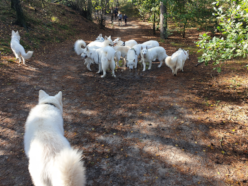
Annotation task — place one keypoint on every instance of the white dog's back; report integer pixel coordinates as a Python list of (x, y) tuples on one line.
[(151, 43), (52, 162)]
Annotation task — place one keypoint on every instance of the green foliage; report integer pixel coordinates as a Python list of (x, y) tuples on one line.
[(183, 13), (232, 18)]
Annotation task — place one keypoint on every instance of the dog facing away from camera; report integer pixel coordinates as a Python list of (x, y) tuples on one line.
[(104, 57), (177, 60), (52, 161), (18, 49), (82, 51), (149, 55)]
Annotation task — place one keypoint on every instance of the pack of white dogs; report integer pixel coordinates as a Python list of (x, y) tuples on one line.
[(52, 161), (106, 53)]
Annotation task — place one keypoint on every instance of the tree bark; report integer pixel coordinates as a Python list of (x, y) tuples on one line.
[(163, 22), (19, 14), (154, 23)]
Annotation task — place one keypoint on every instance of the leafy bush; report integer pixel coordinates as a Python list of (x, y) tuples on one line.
[(232, 18)]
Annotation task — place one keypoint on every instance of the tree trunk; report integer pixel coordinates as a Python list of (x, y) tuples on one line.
[(19, 14), (89, 10), (154, 23), (13, 4), (163, 22)]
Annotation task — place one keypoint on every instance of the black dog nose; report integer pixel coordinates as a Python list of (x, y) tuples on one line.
[(175, 75)]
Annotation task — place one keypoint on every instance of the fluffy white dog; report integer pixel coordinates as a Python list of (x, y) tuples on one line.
[(52, 161), (104, 57), (107, 60), (148, 55), (133, 54), (177, 60), (121, 51), (107, 42), (82, 51), (100, 38), (18, 49), (129, 43)]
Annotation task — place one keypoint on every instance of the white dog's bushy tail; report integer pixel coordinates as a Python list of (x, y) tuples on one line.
[(77, 46), (109, 52), (27, 55), (69, 168)]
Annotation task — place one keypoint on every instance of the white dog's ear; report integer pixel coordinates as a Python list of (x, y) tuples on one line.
[(106, 37), (109, 37), (42, 95), (59, 97)]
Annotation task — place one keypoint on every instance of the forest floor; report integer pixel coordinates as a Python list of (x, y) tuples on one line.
[(140, 128)]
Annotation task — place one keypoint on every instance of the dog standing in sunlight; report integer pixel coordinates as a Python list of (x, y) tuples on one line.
[(18, 49), (52, 161), (177, 60)]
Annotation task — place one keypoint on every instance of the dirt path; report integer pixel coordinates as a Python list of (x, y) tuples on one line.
[(141, 128)]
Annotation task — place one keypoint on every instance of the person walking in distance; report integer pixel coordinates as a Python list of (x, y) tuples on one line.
[(125, 19), (120, 18)]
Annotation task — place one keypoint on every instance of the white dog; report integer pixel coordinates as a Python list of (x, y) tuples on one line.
[(177, 60), (133, 54), (18, 49), (82, 51), (104, 57), (100, 38), (129, 43), (148, 55), (121, 51), (107, 42), (52, 161), (107, 60)]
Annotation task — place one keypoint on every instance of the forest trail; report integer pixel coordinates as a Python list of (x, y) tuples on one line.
[(140, 128)]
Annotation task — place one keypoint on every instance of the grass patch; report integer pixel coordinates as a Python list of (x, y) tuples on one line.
[(64, 27)]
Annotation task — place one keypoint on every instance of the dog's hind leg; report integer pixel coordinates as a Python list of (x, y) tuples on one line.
[(104, 73), (100, 68), (161, 62), (112, 67), (88, 67)]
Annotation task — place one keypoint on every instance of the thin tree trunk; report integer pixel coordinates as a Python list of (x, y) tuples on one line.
[(163, 22), (154, 23), (19, 14), (184, 27)]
